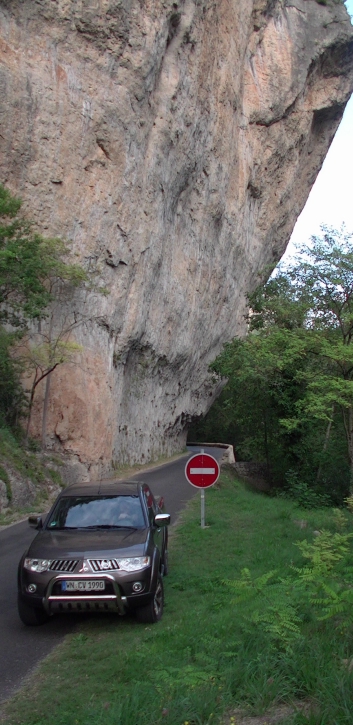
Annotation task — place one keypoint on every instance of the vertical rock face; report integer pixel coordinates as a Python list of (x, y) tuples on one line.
[(173, 144)]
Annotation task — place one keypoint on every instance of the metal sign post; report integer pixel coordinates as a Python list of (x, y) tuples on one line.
[(202, 508), (202, 471)]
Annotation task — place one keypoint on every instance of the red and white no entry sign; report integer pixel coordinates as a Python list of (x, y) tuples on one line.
[(202, 470)]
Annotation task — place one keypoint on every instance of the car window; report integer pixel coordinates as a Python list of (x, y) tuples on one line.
[(92, 511)]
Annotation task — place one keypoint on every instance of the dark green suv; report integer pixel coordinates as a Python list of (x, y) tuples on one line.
[(103, 547)]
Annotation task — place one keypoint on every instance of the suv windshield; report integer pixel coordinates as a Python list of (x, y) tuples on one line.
[(86, 512)]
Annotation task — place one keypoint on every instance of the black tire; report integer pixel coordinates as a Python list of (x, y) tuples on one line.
[(153, 611), (31, 616)]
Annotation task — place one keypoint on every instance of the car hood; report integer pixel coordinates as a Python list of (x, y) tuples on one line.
[(88, 544)]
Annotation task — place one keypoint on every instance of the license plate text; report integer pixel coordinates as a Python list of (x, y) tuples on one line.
[(83, 586)]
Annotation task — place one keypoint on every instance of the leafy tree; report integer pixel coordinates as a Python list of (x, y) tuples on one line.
[(262, 389), (12, 398), (35, 279), (41, 360), (30, 266), (290, 381), (324, 282)]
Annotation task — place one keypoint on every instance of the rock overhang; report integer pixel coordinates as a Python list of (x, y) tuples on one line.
[(173, 144)]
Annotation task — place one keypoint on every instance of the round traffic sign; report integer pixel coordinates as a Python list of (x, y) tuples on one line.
[(202, 470)]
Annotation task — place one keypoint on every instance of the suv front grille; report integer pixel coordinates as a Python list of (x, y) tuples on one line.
[(63, 565), (104, 564)]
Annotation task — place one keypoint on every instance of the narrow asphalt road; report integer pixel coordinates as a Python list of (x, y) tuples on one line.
[(22, 648)]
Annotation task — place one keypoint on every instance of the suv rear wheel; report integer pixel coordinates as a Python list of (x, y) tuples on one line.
[(152, 612)]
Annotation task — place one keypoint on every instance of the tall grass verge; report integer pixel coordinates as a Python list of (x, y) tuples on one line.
[(207, 657)]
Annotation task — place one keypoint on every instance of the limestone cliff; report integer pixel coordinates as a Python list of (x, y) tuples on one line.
[(174, 145)]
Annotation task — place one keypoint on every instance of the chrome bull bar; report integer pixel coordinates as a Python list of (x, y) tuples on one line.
[(84, 602)]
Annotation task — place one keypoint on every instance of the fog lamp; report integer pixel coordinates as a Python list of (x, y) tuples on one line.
[(137, 587), (32, 588)]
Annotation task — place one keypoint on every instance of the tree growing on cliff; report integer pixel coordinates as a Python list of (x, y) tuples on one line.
[(41, 358), (12, 397), (31, 266), (35, 279), (49, 344)]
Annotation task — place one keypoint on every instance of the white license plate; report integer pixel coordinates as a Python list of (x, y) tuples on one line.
[(83, 586)]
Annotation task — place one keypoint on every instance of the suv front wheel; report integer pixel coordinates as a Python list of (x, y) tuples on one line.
[(152, 612), (31, 616)]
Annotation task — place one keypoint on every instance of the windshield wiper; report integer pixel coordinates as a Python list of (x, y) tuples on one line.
[(92, 528), (108, 526)]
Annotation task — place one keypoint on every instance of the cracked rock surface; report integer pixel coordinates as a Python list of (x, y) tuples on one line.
[(173, 144)]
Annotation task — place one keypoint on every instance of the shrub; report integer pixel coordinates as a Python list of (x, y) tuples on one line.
[(303, 494)]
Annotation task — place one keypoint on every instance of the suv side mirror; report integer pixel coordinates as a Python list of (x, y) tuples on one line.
[(35, 522), (162, 520)]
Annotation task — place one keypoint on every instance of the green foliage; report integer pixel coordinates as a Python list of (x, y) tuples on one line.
[(34, 274), (269, 606), (9, 205), (288, 402), (12, 397), (29, 266), (55, 476), (320, 589), (5, 478), (24, 464), (327, 578), (304, 495)]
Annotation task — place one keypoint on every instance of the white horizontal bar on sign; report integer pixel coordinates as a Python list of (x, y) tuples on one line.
[(202, 470)]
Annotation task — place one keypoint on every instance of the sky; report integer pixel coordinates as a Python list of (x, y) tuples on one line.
[(331, 200)]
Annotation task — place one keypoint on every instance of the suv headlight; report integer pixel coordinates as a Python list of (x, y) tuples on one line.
[(37, 564), (134, 563)]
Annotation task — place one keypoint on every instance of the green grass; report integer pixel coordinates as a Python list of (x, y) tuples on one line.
[(5, 478), (204, 659), (26, 463)]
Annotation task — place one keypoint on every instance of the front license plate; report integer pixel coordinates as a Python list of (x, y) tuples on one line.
[(83, 586)]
